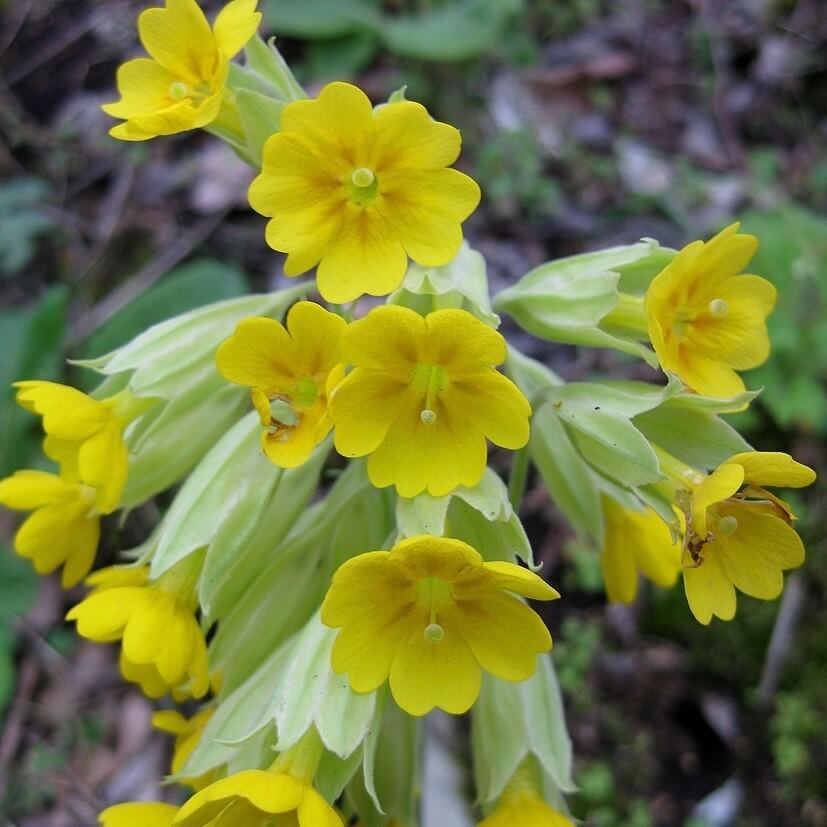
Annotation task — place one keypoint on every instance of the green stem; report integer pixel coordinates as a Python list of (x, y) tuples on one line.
[(628, 315)]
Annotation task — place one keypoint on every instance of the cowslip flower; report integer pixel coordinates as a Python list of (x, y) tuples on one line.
[(635, 543), (187, 732), (430, 615), (358, 191), (138, 814), (163, 646), (182, 84), (423, 397), (738, 534), (705, 321), (258, 798), (288, 370), (64, 527), (522, 804), (86, 433)]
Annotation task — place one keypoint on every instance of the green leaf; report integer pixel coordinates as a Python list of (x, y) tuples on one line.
[(598, 420), (266, 62), (455, 31), (30, 340), (22, 221), (189, 286), (321, 18)]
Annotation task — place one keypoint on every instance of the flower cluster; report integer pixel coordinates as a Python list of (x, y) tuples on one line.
[(316, 634)]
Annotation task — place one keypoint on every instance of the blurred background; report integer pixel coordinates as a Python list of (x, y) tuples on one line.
[(588, 123)]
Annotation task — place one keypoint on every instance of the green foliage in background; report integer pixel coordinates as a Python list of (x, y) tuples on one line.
[(793, 255), (23, 219), (346, 35)]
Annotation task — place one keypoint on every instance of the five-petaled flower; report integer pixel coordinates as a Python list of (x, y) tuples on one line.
[(258, 798), (705, 320), (431, 615), (738, 534), (423, 397), (636, 542), (358, 191), (288, 371), (182, 84), (163, 646)]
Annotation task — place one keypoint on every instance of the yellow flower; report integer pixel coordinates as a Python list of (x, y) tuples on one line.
[(181, 85), (423, 397), (521, 804), (705, 320), (85, 433), (431, 615), (358, 191), (287, 371), (258, 798), (63, 529), (739, 535), (636, 542), (187, 734), (138, 814), (163, 645)]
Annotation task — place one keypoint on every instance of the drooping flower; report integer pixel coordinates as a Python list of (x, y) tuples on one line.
[(85, 433), (430, 615), (739, 535), (705, 321), (635, 543), (63, 529), (258, 798), (163, 645), (182, 84), (187, 732), (358, 191), (423, 397), (522, 804), (138, 814), (288, 371)]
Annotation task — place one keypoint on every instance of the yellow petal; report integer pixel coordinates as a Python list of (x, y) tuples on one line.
[(144, 86), (724, 255), (236, 23), (103, 463), (436, 457), (314, 811), (292, 447), (761, 547), (504, 634), (425, 209), (620, 575), (336, 123), (406, 137), (46, 537), (363, 408), (116, 576), (179, 37), (709, 591), (67, 413), (103, 615), (718, 486), (511, 577), (706, 375), (426, 675), (426, 556), (494, 405), (145, 675), (389, 339), (266, 791), (144, 813), (85, 536), (773, 468), (27, 490), (367, 257), (171, 721), (318, 336), (461, 344), (148, 627), (259, 354)]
